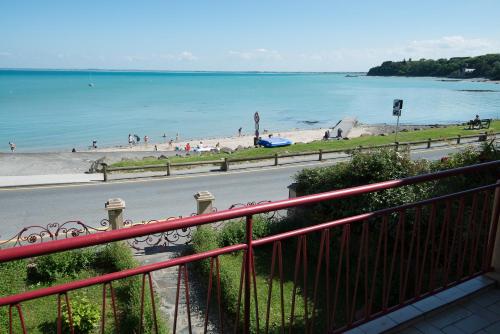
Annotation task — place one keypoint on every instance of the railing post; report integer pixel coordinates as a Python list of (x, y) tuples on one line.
[(205, 201), (115, 207), (320, 155), (105, 172), (276, 159), (397, 146), (458, 139), (248, 273), (429, 143), (168, 168), (225, 165), (495, 235)]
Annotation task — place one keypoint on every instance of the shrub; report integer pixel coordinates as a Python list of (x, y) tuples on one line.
[(235, 232), (84, 313), (48, 268)]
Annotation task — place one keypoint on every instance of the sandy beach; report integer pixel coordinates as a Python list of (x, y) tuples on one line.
[(246, 140)]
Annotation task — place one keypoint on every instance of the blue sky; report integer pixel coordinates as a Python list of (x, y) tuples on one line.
[(277, 35)]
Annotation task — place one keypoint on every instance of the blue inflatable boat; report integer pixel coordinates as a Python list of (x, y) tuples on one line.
[(274, 142)]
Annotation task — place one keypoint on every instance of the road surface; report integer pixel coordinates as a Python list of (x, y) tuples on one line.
[(151, 198)]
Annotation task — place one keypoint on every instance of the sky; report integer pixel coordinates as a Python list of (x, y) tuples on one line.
[(237, 35)]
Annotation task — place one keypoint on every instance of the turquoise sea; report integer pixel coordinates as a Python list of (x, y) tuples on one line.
[(59, 110)]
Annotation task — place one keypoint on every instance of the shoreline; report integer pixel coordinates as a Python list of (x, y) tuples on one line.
[(297, 135), (245, 140)]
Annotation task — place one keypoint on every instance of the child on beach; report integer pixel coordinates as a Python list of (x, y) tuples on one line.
[(188, 147), (12, 146), (239, 131)]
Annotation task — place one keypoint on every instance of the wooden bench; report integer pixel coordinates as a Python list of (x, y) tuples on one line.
[(479, 124), (485, 123)]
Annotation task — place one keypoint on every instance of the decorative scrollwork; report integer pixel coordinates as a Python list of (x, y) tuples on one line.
[(271, 216), (53, 231), (162, 239)]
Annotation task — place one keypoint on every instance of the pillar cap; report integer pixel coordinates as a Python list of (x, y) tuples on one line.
[(114, 204), (203, 196)]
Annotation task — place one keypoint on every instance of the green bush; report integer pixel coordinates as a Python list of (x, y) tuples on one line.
[(84, 313), (49, 268), (235, 232)]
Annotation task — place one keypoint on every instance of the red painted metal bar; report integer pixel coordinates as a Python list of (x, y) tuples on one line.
[(116, 275), (162, 226), (21, 318), (225, 250), (248, 275)]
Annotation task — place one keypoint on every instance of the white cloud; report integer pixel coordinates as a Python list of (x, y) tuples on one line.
[(364, 58), (186, 55), (452, 46), (182, 56), (257, 54)]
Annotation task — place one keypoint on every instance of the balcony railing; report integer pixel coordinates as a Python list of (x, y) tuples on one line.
[(345, 272)]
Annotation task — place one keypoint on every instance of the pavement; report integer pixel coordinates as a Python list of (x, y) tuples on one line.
[(50, 179)]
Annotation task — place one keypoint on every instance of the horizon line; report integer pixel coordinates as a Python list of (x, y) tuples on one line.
[(165, 71)]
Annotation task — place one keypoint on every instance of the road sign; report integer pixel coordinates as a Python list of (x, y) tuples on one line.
[(396, 107)]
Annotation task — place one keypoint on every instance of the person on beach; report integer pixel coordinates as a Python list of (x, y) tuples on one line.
[(94, 143), (170, 143), (130, 139), (339, 133), (12, 146), (239, 131), (146, 139), (137, 139), (188, 147), (156, 148), (164, 137)]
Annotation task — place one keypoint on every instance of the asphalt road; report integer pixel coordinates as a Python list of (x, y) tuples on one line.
[(151, 198)]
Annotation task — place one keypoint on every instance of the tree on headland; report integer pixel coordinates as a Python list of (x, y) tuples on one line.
[(486, 66)]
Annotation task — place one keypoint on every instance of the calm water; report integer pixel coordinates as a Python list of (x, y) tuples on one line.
[(57, 110)]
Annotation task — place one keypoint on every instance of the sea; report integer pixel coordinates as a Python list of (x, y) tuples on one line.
[(57, 110)]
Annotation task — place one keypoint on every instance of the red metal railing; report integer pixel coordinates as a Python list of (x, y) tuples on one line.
[(367, 264)]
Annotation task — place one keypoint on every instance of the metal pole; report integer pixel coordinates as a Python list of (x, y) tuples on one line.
[(248, 273), (397, 129)]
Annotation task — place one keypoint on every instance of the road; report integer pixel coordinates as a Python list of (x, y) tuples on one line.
[(151, 198)]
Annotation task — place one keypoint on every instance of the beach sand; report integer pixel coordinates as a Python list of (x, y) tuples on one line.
[(245, 141)]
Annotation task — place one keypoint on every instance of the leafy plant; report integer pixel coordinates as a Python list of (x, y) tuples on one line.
[(48, 268), (84, 313)]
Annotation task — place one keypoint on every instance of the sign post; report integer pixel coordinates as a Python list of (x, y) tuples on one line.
[(256, 118), (397, 106)]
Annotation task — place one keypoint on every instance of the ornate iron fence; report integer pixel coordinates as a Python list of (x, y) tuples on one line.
[(53, 231)]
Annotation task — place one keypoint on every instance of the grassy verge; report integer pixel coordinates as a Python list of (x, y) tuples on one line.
[(435, 133), (41, 314)]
